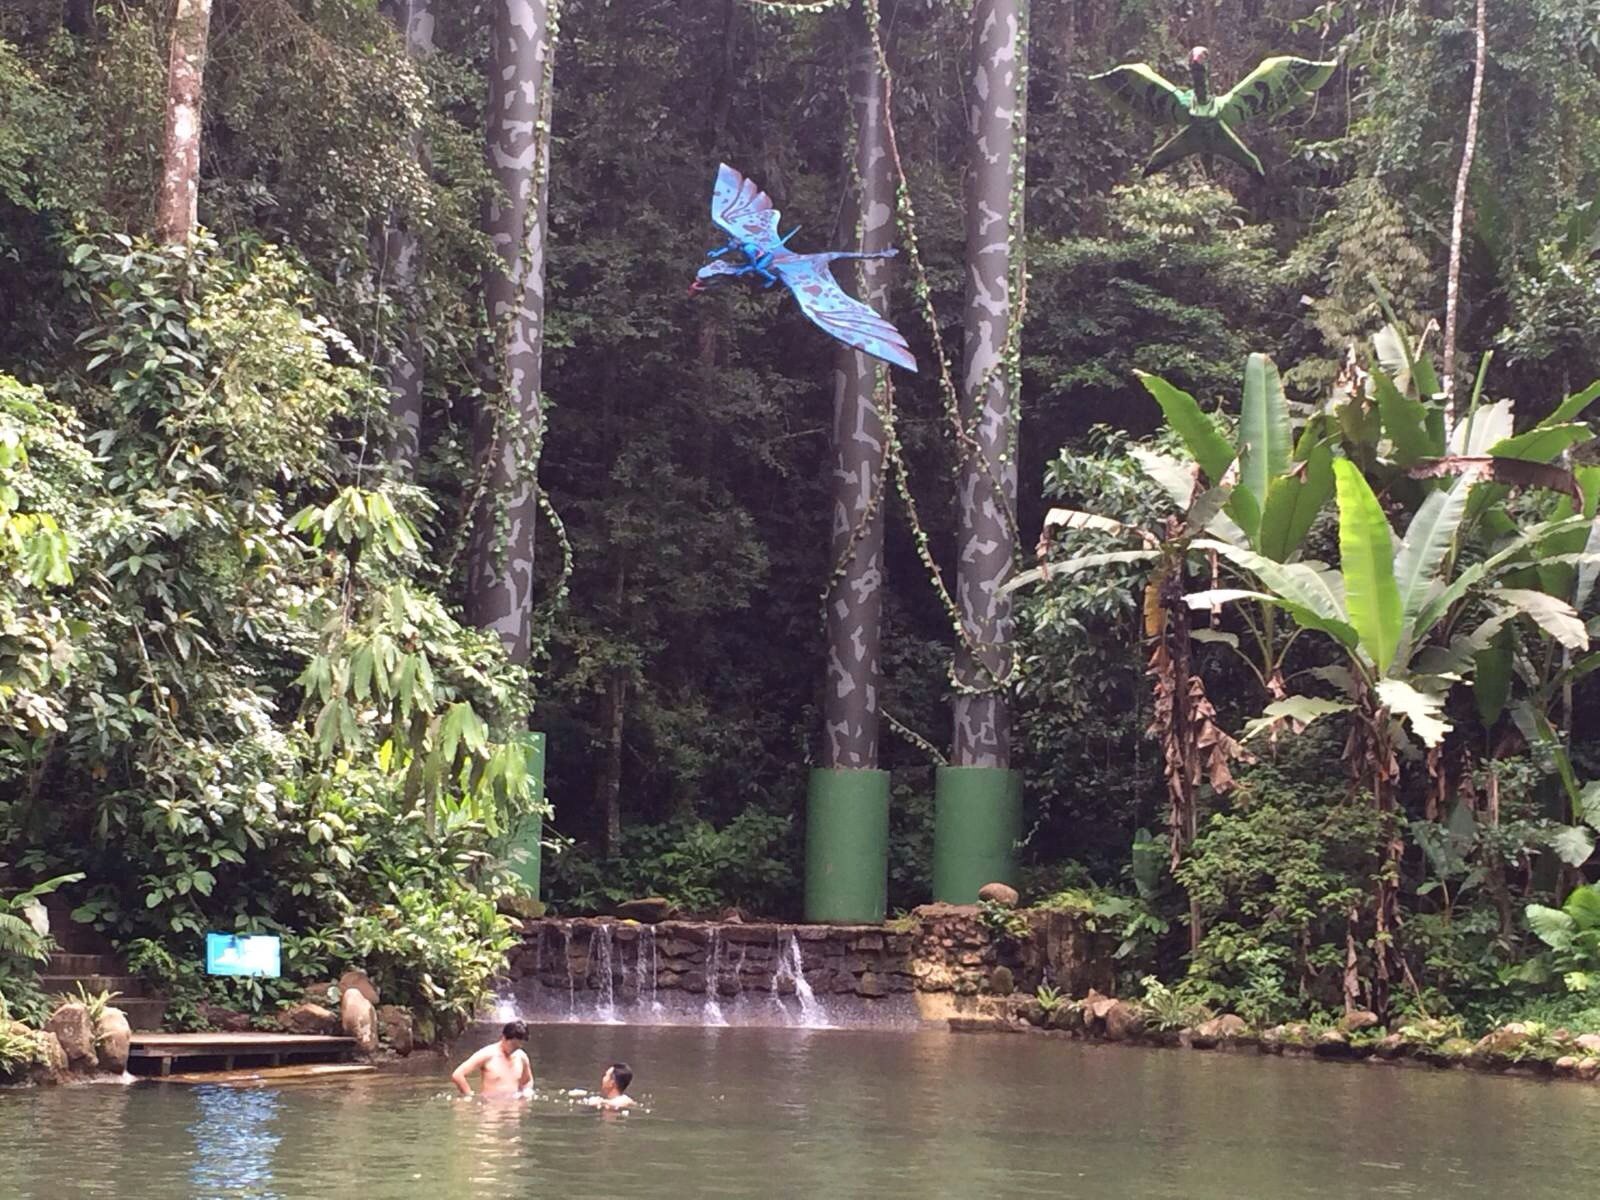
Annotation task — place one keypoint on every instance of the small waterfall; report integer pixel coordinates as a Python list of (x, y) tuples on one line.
[(646, 961), (712, 1013), (605, 1008), (566, 961), (790, 966)]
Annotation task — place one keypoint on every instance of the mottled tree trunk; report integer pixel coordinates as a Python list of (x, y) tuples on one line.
[(80, 18), (507, 431), (400, 264), (178, 195), (987, 481), (850, 711)]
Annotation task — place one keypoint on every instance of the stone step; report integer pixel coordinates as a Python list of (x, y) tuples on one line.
[(70, 936), (130, 986), (77, 965)]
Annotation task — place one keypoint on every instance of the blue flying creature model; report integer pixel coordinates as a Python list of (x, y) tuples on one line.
[(1205, 120), (755, 251)]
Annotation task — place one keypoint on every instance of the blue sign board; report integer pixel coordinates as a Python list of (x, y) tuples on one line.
[(243, 954)]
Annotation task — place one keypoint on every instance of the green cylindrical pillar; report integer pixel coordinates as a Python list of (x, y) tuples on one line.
[(522, 845), (847, 845), (977, 822)]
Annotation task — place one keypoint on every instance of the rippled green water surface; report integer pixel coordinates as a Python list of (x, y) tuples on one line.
[(795, 1113)]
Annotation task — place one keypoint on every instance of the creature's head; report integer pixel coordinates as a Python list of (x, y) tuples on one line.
[(1198, 57), (715, 272)]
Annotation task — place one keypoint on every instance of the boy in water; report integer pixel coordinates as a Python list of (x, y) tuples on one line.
[(507, 1073), (614, 1087)]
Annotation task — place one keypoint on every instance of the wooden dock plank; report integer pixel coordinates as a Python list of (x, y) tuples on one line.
[(271, 1076)]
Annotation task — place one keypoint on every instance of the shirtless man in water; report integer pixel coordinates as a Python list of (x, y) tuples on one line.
[(507, 1073)]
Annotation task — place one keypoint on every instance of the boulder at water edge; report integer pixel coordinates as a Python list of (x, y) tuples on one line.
[(73, 1029), (395, 1029), (113, 1038), (309, 1018), (229, 1020), (1355, 1022), (1123, 1021), (361, 982), (359, 1019), (1227, 1028), (1589, 1043), (50, 1064), (999, 893), (647, 911)]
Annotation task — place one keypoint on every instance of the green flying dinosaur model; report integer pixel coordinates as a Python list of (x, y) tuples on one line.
[(1206, 122)]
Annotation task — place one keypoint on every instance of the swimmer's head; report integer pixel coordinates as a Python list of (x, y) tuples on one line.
[(514, 1031), (616, 1079)]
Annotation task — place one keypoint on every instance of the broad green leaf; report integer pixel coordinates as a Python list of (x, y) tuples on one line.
[(1552, 926), (1265, 438), (1583, 906), (1177, 478), (1366, 553), (1312, 594), (1198, 431), (1405, 421), (1491, 677), (1302, 710), (1488, 426), (1423, 712), (1199, 601), (1428, 540), (1589, 803), (1071, 518), (1573, 844), (1555, 617), (1589, 571), (1573, 406), (1544, 444), (1072, 566), (1293, 503), (1440, 603)]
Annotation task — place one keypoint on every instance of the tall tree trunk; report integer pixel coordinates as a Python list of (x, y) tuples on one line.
[(1452, 300), (850, 711), (177, 198), (987, 481), (508, 428), (400, 258)]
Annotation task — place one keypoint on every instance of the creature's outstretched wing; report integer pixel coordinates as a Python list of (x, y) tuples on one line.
[(1140, 92), (743, 211), (837, 313), (1273, 88)]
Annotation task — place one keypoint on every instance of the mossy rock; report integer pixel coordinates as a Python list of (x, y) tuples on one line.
[(1002, 982)]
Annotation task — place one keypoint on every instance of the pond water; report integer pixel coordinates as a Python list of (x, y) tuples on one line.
[(801, 1113)]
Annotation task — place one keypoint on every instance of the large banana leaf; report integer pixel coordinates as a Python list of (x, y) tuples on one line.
[(1440, 602), (1266, 440), (1405, 421), (1423, 711), (1572, 407), (1428, 540), (1198, 431), (1310, 593), (1293, 502), (1366, 554)]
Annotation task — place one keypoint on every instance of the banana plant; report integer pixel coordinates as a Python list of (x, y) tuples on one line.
[(1392, 603)]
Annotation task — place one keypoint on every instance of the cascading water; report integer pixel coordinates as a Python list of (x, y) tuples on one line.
[(712, 1012), (790, 967), (605, 1008), (566, 961), (646, 962)]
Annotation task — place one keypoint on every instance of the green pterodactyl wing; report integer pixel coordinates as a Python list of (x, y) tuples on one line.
[(1273, 88), (1140, 92), (1205, 138)]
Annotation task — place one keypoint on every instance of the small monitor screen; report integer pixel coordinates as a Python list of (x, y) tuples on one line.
[(242, 954)]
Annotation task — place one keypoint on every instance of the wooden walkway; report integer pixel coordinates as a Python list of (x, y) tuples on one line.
[(155, 1053)]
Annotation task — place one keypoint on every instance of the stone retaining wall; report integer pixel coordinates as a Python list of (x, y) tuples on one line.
[(938, 950)]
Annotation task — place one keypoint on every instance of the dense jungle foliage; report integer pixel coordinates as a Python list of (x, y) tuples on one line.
[(239, 690)]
